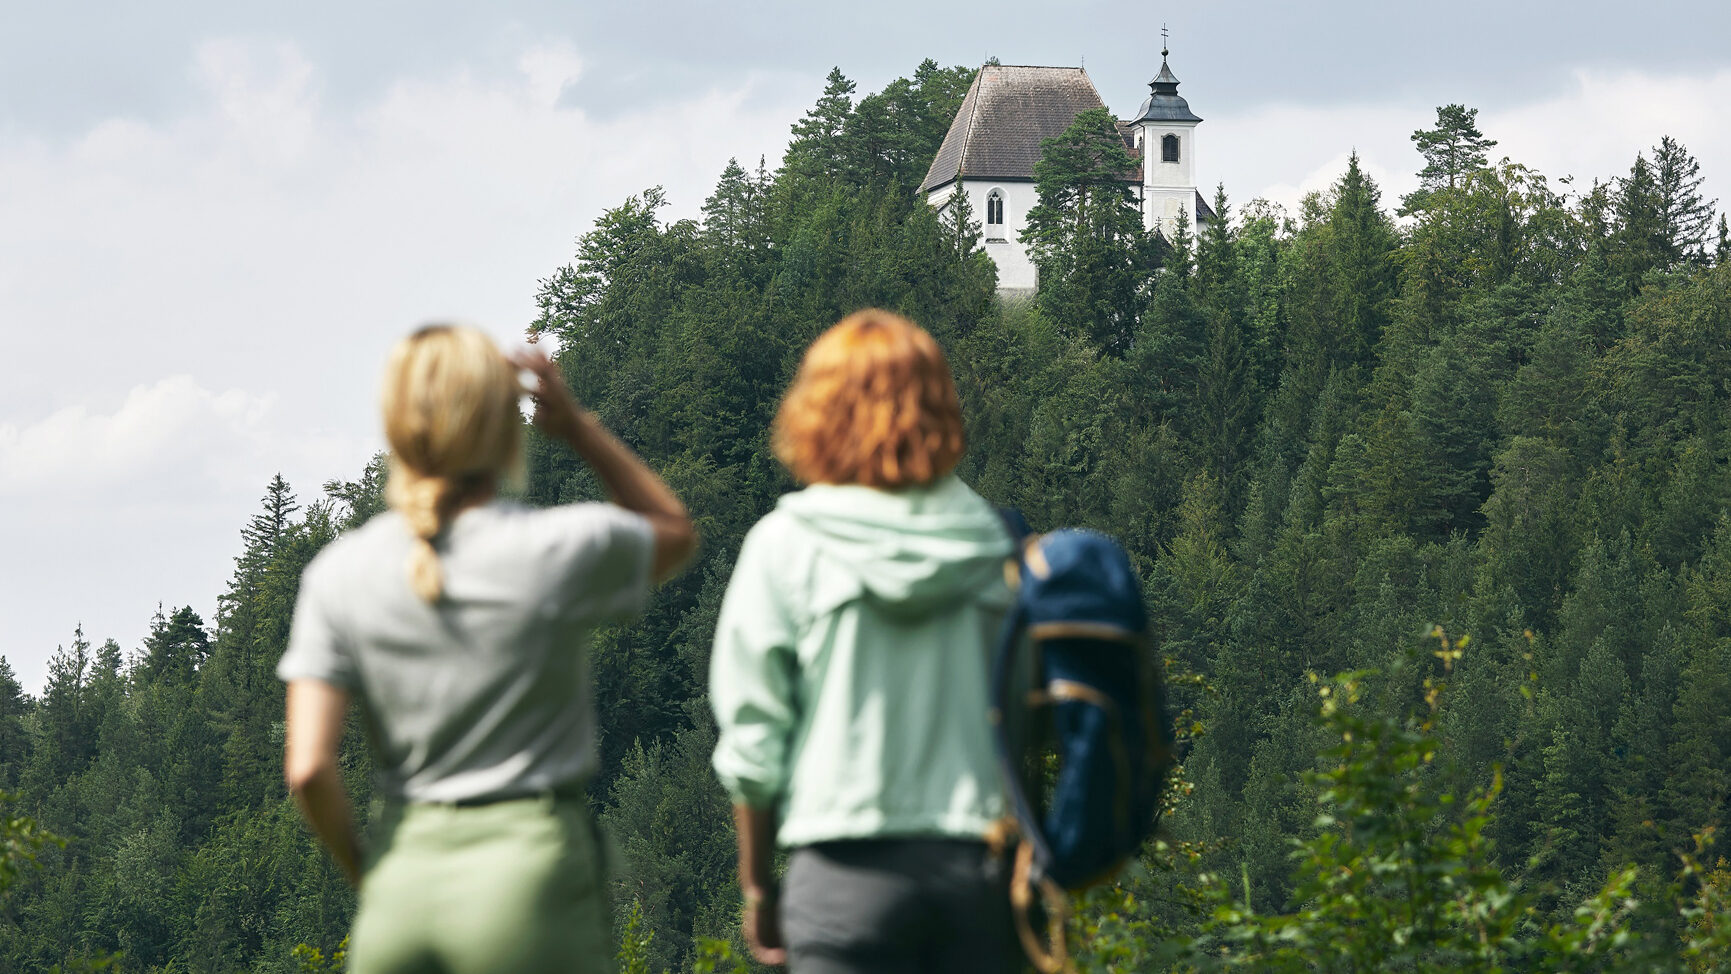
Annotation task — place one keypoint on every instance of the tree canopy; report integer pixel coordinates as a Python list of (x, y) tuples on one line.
[(1433, 514)]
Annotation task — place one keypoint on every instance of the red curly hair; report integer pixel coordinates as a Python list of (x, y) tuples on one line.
[(873, 404)]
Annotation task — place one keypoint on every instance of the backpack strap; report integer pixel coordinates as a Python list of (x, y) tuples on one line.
[(1053, 959), (1010, 641), (1032, 853)]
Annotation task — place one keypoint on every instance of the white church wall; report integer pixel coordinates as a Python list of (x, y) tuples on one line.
[(1002, 242)]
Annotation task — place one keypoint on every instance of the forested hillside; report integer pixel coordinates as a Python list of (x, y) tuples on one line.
[(1470, 448)]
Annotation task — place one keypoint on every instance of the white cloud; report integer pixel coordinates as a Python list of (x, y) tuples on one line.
[(1592, 130), (1596, 129), (156, 431), (549, 68), (242, 269)]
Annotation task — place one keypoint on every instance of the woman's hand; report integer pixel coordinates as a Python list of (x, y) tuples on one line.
[(754, 828), (762, 927), (556, 411), (628, 481)]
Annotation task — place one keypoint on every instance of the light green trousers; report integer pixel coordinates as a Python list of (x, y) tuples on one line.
[(507, 887)]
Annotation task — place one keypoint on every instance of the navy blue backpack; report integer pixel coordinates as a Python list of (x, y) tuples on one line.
[(1078, 608)]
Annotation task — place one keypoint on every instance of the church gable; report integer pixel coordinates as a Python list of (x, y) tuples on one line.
[(1008, 110), (989, 153)]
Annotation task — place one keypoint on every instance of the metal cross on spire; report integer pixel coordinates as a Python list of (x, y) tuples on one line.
[(1163, 51)]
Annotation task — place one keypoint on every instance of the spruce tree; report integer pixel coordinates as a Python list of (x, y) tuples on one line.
[(819, 147), (14, 749), (1686, 215), (1362, 260), (1641, 240)]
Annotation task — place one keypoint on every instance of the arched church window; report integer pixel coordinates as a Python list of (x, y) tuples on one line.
[(994, 208), (1169, 148)]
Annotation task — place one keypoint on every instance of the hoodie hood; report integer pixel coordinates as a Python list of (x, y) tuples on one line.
[(912, 552)]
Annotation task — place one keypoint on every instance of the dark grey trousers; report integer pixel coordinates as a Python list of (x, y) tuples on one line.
[(897, 905)]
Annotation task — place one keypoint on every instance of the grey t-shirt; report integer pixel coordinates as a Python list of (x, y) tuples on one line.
[(486, 693)]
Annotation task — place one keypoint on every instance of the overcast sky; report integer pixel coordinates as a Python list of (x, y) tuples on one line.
[(215, 219)]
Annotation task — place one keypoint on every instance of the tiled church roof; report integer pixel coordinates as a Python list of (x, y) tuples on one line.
[(1009, 109)]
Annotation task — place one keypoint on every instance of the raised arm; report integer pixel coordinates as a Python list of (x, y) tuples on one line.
[(627, 479)]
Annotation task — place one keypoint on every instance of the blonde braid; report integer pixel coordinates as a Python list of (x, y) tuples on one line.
[(450, 404), (428, 504)]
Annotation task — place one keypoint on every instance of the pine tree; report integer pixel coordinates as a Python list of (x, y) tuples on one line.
[(957, 215), (359, 500), (266, 527), (727, 213), (1452, 151)]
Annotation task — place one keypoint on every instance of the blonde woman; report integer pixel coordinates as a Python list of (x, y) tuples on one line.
[(460, 624), (849, 675)]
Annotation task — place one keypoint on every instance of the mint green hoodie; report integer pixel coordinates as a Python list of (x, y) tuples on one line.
[(849, 676)]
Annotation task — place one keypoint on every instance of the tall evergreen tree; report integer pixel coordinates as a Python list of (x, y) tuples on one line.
[(175, 648), (1686, 215), (819, 147), (65, 738), (1452, 150), (1085, 234), (14, 743), (1640, 242), (1226, 390), (1363, 244)]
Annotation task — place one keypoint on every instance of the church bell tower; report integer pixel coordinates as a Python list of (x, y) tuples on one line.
[(1166, 132)]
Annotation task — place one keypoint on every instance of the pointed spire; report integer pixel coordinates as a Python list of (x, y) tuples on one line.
[(1164, 83), (1163, 104)]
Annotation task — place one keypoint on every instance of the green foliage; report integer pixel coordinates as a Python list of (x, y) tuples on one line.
[(1392, 875), (1451, 151), (313, 961), (713, 954), (1686, 214), (1707, 914), (1085, 234), (21, 839), (1316, 434), (634, 942)]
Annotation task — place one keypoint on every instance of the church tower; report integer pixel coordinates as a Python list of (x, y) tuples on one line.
[(989, 154), (1166, 134)]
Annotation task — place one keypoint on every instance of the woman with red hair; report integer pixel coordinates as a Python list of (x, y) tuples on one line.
[(849, 674)]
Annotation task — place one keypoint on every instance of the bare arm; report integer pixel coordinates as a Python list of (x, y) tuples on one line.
[(755, 828), (626, 478), (315, 728)]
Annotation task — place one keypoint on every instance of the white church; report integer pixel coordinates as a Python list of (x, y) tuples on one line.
[(992, 146)]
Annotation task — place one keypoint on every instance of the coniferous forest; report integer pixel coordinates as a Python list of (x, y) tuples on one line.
[(1431, 497)]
